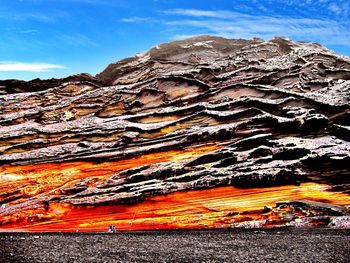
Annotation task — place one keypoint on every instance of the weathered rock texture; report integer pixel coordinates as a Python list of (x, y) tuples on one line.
[(196, 114)]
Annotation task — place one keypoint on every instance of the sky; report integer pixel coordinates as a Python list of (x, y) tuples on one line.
[(58, 38)]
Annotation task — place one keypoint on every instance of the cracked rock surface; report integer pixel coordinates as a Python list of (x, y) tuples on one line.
[(271, 113)]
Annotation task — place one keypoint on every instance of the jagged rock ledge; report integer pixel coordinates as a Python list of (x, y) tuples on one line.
[(277, 112)]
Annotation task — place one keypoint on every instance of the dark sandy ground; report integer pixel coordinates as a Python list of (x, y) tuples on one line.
[(287, 245)]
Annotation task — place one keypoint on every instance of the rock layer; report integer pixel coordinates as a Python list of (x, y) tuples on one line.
[(190, 115)]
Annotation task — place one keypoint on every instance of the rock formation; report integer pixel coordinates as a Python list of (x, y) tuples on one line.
[(198, 133)]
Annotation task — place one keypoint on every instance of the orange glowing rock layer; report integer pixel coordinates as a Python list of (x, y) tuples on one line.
[(211, 208), (42, 180)]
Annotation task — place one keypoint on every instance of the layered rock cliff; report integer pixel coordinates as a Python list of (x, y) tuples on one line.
[(203, 132)]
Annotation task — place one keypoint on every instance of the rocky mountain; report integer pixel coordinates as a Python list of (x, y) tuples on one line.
[(204, 132)]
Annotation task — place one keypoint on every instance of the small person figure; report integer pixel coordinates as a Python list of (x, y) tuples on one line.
[(112, 229)]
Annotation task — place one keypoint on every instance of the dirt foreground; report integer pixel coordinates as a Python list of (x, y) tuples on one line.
[(278, 245)]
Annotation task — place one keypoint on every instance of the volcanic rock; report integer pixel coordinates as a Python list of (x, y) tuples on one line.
[(194, 114)]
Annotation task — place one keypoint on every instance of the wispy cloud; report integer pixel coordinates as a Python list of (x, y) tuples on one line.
[(21, 16), (91, 2), (240, 25), (137, 19), (29, 31), (222, 14), (317, 8), (341, 8), (78, 40), (8, 66)]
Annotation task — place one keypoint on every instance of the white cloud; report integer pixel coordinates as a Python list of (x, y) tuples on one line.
[(335, 8), (20, 16), (239, 25), (6, 66), (222, 14), (29, 31), (91, 2), (342, 8), (137, 19), (78, 40)]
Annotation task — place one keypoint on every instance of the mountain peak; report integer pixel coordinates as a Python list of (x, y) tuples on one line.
[(207, 50)]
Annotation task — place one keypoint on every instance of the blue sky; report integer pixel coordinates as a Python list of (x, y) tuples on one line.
[(57, 38)]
